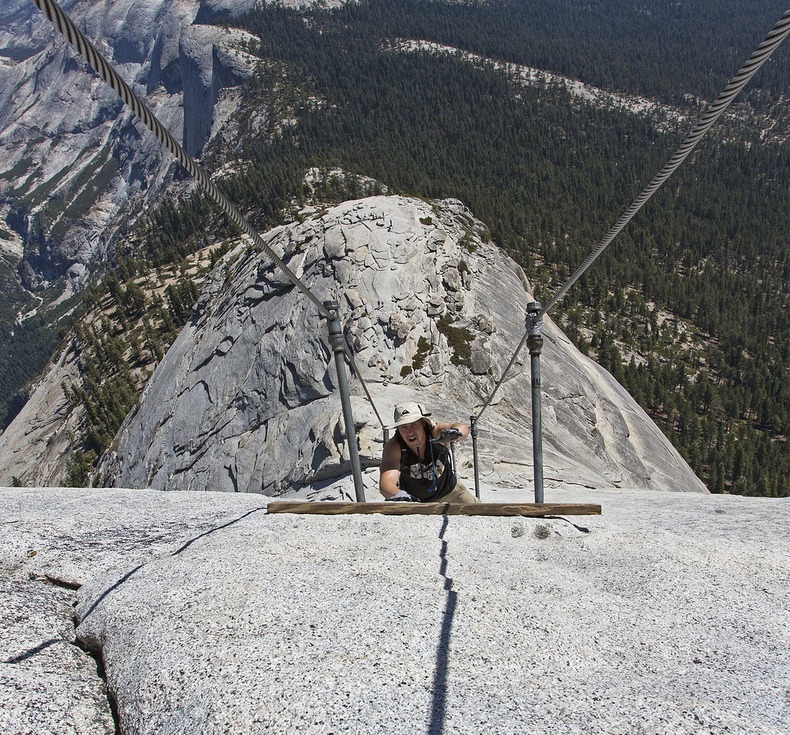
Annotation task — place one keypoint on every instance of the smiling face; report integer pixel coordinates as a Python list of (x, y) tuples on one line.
[(414, 435)]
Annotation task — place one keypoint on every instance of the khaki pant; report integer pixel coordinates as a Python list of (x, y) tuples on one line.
[(459, 495)]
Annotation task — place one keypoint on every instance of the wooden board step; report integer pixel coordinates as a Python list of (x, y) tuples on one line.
[(429, 509)]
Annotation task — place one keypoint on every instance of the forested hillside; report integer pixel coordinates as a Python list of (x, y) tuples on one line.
[(688, 308)]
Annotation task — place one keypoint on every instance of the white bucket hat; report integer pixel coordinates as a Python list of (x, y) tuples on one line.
[(405, 413)]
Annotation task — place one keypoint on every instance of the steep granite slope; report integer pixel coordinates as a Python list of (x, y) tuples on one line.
[(245, 399)]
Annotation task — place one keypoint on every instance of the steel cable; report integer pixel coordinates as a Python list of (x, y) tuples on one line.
[(772, 41), (88, 51)]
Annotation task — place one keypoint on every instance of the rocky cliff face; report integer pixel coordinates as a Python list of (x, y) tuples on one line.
[(75, 166), (245, 400)]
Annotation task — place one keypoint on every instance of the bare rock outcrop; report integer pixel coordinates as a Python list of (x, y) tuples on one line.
[(245, 399), (665, 614), (36, 446), (211, 59)]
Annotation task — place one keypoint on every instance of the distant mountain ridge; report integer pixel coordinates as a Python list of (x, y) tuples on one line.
[(76, 167)]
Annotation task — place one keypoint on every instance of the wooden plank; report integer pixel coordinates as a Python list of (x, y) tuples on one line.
[(403, 509)]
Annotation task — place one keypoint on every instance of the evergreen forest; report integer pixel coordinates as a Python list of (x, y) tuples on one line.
[(688, 308)]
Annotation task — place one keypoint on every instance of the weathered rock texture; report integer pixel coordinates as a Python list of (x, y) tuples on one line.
[(245, 399), (669, 617), (48, 684)]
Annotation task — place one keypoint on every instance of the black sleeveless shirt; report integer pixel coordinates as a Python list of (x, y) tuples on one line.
[(429, 480)]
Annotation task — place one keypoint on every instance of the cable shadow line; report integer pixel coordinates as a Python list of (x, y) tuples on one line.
[(134, 571), (439, 704), (581, 529), (215, 529), (19, 658), (112, 587)]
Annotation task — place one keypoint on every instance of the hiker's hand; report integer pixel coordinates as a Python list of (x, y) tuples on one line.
[(449, 435), (403, 497)]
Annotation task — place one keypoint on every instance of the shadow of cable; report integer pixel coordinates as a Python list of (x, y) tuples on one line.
[(112, 587), (580, 529), (439, 707), (181, 549), (215, 529), (19, 658)]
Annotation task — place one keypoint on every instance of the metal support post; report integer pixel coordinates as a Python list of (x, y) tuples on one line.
[(535, 345), (473, 431), (338, 347)]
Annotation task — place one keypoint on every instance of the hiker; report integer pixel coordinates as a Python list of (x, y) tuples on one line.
[(416, 464)]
